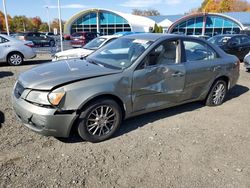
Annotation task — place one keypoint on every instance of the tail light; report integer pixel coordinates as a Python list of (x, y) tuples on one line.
[(238, 65), (30, 44)]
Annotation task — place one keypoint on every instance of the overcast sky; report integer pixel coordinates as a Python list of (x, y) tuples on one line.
[(31, 8)]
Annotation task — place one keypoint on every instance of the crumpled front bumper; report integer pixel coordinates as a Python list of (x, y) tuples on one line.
[(43, 120)]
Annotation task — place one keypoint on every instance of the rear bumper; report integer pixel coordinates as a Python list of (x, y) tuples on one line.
[(43, 120)]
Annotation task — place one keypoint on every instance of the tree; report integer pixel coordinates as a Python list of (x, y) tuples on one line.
[(157, 29), (211, 6), (225, 5), (55, 24), (1, 21), (149, 12), (36, 22), (44, 27)]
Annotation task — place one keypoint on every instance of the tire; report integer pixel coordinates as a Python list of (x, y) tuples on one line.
[(99, 121), (52, 43), (217, 93), (15, 59), (248, 69)]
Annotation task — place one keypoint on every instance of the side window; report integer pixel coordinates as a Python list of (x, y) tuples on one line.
[(196, 51), (235, 41), (165, 53), (3, 40), (245, 40)]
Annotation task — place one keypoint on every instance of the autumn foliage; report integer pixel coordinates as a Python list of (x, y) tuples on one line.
[(224, 6), (23, 23)]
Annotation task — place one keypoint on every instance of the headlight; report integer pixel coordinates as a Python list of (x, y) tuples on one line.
[(46, 98), (55, 97), (39, 97)]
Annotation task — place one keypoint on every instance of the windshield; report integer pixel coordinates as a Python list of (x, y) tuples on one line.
[(95, 43), (121, 53), (219, 40)]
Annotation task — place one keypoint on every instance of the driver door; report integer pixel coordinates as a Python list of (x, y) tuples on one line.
[(160, 79)]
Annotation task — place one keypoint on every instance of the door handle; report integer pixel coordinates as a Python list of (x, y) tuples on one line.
[(177, 74)]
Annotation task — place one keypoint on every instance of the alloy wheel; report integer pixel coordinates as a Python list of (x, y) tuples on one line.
[(219, 93), (101, 120)]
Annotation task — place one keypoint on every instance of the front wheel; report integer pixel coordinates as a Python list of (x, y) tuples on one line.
[(217, 93), (15, 59), (99, 120)]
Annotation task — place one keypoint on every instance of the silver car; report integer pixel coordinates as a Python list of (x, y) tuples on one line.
[(132, 75), (15, 51)]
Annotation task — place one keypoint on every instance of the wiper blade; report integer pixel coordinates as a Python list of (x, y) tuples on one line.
[(95, 63)]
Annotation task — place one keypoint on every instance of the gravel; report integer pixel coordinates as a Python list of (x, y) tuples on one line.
[(185, 146)]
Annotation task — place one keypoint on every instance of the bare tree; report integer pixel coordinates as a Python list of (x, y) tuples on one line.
[(149, 12)]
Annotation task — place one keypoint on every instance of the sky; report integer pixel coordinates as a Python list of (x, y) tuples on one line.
[(32, 8)]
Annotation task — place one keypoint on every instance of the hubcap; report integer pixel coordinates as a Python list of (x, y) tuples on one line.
[(16, 59), (101, 120), (219, 93)]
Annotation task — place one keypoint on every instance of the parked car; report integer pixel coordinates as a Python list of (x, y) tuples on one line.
[(132, 75), (79, 39), (52, 35), (66, 37), (39, 39), (235, 44), (247, 62), (86, 50), (15, 51)]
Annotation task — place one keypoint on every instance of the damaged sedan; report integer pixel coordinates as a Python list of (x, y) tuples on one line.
[(132, 75)]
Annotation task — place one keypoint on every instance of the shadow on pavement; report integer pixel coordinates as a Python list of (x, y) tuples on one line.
[(142, 120), (5, 74), (236, 91), (2, 119), (28, 62)]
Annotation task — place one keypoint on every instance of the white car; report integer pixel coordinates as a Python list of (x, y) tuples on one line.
[(15, 51), (247, 62), (86, 50)]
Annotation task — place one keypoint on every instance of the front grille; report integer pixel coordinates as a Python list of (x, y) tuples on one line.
[(18, 90)]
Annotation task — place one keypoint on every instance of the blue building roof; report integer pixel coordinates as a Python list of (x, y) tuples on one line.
[(243, 17)]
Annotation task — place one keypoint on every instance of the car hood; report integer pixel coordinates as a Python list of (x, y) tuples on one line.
[(79, 52), (50, 75)]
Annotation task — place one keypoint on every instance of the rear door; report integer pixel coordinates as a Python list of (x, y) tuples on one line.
[(159, 80), (3, 48), (202, 64)]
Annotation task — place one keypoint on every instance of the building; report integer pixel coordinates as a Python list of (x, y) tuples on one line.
[(107, 22), (209, 24)]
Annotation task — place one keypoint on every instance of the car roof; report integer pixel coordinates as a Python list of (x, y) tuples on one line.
[(230, 35), (156, 36)]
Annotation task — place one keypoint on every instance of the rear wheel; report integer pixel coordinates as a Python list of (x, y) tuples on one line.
[(248, 69), (217, 93), (15, 59), (52, 43), (99, 120)]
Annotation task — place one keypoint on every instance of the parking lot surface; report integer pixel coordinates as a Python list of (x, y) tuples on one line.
[(186, 146)]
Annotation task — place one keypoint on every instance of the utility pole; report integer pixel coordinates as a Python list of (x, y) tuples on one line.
[(47, 8), (60, 23), (6, 17)]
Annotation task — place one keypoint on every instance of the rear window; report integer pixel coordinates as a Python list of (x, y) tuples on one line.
[(77, 35)]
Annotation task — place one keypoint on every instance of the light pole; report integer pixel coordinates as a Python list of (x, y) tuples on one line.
[(47, 9), (6, 17), (60, 23)]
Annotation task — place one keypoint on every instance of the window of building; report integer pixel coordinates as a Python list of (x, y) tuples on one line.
[(110, 23)]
